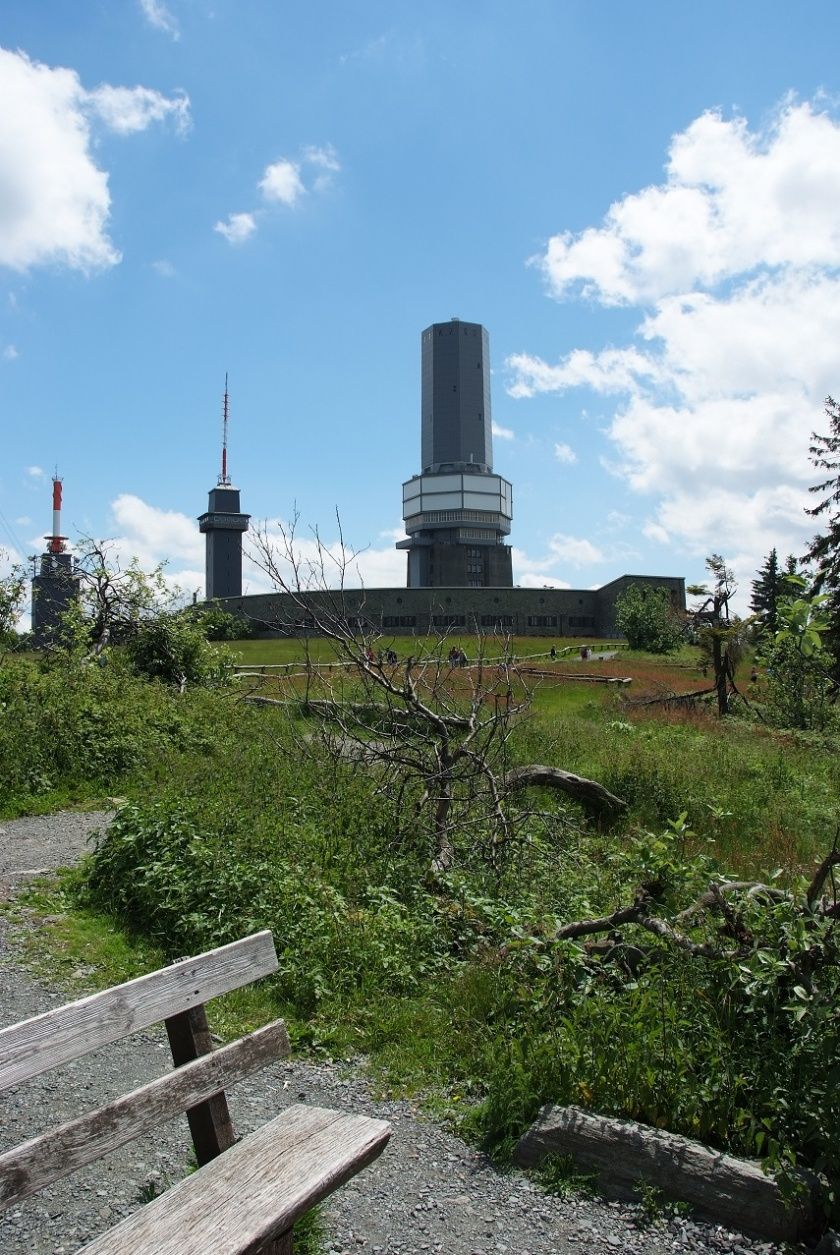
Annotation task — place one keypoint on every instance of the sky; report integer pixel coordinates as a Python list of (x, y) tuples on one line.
[(639, 202)]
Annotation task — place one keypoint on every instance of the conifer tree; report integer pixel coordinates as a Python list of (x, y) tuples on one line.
[(824, 550), (766, 590)]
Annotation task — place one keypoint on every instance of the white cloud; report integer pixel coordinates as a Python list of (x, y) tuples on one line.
[(164, 268), (324, 156), (157, 15), (127, 110), (733, 266), (35, 472), (532, 580), (613, 370), (152, 536), (23, 521), (10, 353), (328, 565), (281, 182), (54, 200), (503, 433), (656, 532), (237, 228), (565, 453), (701, 225), (576, 550)]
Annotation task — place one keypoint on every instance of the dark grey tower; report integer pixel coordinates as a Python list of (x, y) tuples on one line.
[(457, 512), (223, 525), (55, 581)]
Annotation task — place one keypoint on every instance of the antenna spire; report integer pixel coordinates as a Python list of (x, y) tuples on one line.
[(55, 543), (224, 478)]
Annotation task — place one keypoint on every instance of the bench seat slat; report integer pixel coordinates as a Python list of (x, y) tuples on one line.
[(254, 1192), (58, 1036), (37, 1163)]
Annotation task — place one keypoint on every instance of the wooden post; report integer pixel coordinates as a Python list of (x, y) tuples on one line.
[(210, 1123)]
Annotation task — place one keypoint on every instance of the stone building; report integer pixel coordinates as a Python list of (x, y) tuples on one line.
[(547, 612)]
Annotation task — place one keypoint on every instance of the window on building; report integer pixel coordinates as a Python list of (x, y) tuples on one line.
[(542, 620)]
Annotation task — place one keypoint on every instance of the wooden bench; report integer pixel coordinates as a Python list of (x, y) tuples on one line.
[(247, 1193)]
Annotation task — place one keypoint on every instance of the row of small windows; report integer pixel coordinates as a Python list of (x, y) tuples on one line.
[(457, 516)]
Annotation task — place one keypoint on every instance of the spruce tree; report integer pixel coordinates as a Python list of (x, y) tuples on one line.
[(824, 550), (766, 590)]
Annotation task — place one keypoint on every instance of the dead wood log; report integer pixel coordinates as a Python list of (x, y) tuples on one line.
[(593, 796), (622, 1154), (668, 699)]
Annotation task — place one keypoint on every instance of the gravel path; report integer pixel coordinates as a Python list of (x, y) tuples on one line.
[(428, 1192)]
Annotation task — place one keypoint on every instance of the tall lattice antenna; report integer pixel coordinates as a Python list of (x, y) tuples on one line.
[(224, 478)]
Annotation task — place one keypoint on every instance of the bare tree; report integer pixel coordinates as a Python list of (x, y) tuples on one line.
[(434, 726)]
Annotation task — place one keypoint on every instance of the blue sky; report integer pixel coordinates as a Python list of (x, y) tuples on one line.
[(637, 200)]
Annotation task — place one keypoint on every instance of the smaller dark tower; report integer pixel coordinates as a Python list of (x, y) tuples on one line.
[(223, 525), (55, 582)]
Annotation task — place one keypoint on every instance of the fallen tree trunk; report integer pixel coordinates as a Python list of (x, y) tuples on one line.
[(622, 1154), (593, 796)]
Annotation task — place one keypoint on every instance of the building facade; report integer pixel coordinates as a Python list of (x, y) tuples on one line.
[(456, 512), (546, 612)]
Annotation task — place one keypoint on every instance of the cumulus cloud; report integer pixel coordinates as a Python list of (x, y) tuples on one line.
[(576, 550), (326, 563), (164, 268), (503, 433), (238, 228), (158, 16), (286, 182), (565, 453), (54, 199), (732, 264), (281, 183), (35, 472), (127, 110), (530, 580), (10, 352)]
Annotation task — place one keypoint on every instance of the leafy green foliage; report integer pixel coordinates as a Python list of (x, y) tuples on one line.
[(12, 592), (175, 650), (644, 615), (799, 667)]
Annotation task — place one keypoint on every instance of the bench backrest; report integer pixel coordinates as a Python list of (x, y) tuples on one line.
[(176, 995), (54, 1038)]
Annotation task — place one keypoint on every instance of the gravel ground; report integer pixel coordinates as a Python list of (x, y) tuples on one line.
[(427, 1193)]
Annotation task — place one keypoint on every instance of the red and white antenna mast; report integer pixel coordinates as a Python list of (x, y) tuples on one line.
[(55, 543), (224, 478)]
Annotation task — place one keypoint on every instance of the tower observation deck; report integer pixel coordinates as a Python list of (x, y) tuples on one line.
[(457, 511)]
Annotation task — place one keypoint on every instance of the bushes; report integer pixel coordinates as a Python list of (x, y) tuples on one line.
[(68, 731), (465, 984)]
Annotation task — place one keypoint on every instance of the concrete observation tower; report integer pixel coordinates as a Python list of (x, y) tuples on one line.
[(457, 511), (223, 525)]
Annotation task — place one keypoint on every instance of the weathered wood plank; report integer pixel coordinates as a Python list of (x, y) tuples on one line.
[(210, 1124), (731, 1191), (36, 1163), (253, 1193), (56, 1037)]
